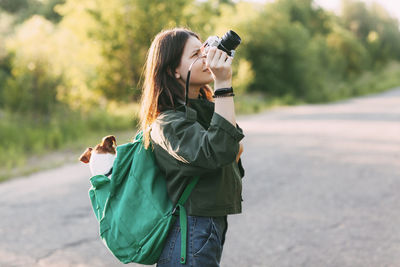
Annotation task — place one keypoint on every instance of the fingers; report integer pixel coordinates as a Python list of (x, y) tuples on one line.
[(228, 62), (213, 56), (210, 56), (239, 153), (217, 58), (222, 59), (220, 65)]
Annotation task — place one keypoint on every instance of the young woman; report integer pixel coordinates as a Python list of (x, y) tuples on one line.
[(197, 139)]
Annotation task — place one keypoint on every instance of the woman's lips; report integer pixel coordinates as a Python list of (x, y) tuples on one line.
[(206, 70)]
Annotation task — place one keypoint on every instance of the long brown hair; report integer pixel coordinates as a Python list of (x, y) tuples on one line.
[(161, 90)]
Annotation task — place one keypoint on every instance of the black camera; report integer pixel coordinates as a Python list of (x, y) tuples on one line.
[(227, 43)]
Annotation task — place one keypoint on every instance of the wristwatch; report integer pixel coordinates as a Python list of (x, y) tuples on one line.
[(222, 92)]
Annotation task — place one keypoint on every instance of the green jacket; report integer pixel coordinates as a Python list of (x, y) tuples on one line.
[(198, 141)]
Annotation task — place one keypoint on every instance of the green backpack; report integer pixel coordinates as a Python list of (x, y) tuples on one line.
[(133, 209)]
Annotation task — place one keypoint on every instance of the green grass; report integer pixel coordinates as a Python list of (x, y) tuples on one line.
[(25, 141)]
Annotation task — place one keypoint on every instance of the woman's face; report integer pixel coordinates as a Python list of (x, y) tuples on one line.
[(200, 74)]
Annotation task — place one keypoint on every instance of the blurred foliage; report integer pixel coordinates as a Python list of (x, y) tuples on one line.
[(84, 56), (31, 87), (24, 9), (374, 28), (90, 52), (123, 31)]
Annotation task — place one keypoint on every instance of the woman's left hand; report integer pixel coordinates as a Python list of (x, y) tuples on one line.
[(220, 65), (239, 153)]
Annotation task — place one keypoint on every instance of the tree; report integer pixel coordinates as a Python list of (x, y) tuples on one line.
[(24, 9), (31, 86), (123, 30), (279, 52), (374, 27)]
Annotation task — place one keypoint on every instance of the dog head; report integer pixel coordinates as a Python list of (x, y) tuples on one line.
[(107, 145)]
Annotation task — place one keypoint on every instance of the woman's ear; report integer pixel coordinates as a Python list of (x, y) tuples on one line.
[(176, 74)]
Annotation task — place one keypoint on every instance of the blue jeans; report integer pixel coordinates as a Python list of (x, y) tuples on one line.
[(205, 241)]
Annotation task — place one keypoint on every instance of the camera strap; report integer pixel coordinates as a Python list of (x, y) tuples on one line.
[(187, 81)]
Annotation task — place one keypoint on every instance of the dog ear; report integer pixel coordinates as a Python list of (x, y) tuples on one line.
[(114, 141), (85, 157), (109, 141)]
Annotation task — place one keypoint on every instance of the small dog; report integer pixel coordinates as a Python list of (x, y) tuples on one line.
[(101, 158)]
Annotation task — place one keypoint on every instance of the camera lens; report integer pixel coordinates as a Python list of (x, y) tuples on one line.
[(229, 41)]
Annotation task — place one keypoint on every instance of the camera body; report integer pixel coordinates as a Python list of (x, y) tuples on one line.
[(228, 43)]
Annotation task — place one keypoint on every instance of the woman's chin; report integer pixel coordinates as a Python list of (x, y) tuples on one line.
[(210, 78)]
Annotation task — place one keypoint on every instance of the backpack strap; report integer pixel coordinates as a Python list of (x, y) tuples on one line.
[(183, 216), (190, 115)]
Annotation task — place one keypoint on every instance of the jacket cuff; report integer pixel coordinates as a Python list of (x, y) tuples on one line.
[(219, 121)]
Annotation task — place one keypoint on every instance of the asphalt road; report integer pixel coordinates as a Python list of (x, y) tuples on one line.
[(322, 188)]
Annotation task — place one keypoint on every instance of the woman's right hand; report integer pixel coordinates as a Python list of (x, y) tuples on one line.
[(239, 153), (220, 65)]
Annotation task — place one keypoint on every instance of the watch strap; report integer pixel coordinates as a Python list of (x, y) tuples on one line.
[(222, 91)]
